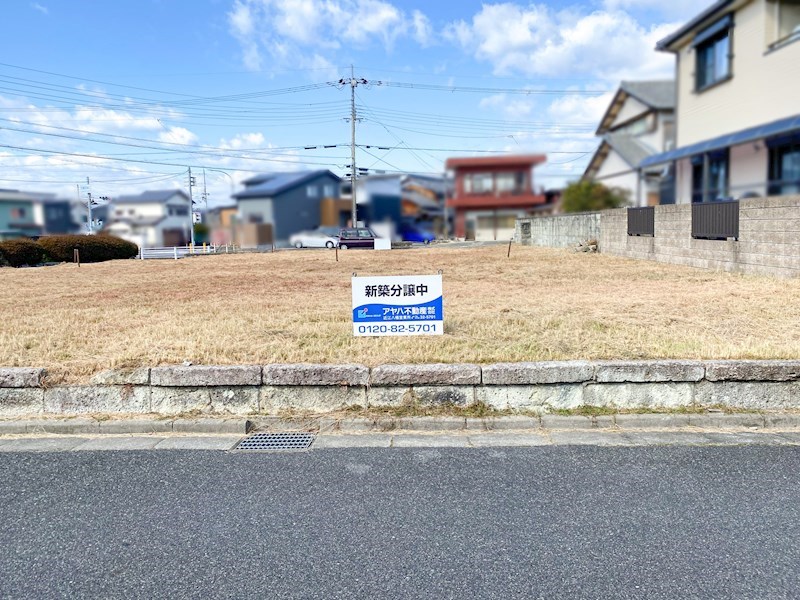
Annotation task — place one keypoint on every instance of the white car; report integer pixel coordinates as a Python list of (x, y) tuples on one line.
[(319, 238)]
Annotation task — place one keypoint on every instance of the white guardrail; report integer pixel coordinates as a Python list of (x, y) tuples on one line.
[(176, 252)]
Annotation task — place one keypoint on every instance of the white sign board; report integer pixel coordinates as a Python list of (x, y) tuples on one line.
[(383, 244), (196, 217), (398, 305)]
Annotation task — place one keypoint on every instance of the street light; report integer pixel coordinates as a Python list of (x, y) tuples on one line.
[(228, 175)]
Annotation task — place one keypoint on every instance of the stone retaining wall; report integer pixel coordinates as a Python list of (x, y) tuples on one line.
[(535, 387), (768, 244), (558, 231)]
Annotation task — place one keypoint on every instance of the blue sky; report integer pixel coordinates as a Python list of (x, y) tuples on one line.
[(245, 86)]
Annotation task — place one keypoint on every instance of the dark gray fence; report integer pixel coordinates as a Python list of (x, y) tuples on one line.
[(715, 220), (641, 221)]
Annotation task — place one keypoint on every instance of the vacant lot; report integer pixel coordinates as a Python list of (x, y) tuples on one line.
[(295, 306)]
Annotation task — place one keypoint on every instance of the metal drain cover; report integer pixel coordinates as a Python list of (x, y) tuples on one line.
[(292, 440)]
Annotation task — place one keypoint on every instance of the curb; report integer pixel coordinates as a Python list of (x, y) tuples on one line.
[(138, 425), (655, 421), (324, 424)]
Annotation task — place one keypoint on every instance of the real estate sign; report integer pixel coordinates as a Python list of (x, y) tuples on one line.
[(398, 305)]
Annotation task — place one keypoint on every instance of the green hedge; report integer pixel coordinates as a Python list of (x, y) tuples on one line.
[(93, 248), (23, 251), (60, 248)]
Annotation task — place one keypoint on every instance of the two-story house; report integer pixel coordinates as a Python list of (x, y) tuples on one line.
[(738, 102), (53, 215), (152, 219), (490, 193), (639, 122), (16, 215), (287, 202), (412, 202)]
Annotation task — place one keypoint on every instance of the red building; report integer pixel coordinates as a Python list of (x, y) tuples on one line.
[(490, 193)]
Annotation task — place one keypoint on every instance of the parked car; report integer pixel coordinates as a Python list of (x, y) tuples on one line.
[(409, 233), (356, 237), (323, 237)]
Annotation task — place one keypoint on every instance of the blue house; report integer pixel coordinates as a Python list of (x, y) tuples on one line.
[(17, 215), (289, 202), (53, 215)]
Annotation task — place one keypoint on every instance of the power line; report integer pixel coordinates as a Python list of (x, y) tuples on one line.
[(485, 90), (227, 152), (138, 161)]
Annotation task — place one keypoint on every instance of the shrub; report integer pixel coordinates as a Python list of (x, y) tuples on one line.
[(20, 252), (93, 248), (585, 196)]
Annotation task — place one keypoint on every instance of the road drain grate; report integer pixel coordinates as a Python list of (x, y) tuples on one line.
[(292, 440)]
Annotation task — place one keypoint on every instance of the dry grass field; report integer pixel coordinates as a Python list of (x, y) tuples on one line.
[(295, 306)]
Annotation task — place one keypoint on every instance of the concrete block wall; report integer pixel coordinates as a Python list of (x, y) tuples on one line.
[(768, 244), (558, 231), (532, 387)]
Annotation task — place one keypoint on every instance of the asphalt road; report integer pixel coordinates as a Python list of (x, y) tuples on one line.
[(544, 522)]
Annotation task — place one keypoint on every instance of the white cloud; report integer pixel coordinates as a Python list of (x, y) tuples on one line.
[(535, 40), (42, 9), (423, 30), (288, 29), (680, 10), (242, 27), (573, 108), (177, 135), (512, 108), (373, 19), (82, 117), (243, 140)]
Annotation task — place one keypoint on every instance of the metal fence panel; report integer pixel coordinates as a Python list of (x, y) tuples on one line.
[(641, 221), (715, 220), (175, 252)]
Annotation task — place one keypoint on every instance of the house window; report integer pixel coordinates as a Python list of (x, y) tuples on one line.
[(787, 21), (328, 191), (478, 183), (784, 165), (17, 213), (510, 183), (713, 49), (717, 176), (505, 182), (640, 126), (312, 191)]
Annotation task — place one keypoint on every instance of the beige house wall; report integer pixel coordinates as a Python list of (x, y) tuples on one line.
[(748, 172), (655, 138), (630, 109), (748, 169), (765, 85), (615, 172)]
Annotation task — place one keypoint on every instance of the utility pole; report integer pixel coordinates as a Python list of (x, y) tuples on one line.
[(205, 193), (191, 209), (353, 83), (89, 201)]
